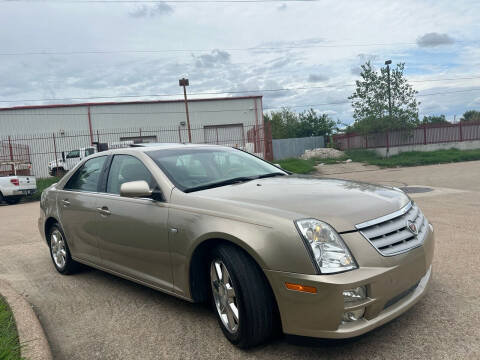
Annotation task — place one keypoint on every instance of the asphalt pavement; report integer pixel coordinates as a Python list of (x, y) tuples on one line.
[(94, 315)]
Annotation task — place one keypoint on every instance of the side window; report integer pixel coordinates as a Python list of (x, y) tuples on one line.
[(73, 154), (86, 178), (89, 151), (125, 168)]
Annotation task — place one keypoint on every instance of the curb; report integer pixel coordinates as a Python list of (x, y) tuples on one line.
[(31, 335)]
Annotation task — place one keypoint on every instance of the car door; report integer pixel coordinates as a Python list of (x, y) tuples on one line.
[(77, 207), (132, 233)]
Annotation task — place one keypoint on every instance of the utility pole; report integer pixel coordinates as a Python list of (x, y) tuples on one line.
[(184, 82), (388, 62)]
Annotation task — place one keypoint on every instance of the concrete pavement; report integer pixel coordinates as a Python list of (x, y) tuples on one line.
[(93, 315)]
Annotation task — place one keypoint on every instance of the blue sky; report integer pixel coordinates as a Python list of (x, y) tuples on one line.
[(237, 47)]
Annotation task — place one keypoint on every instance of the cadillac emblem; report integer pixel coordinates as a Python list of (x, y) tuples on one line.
[(412, 227)]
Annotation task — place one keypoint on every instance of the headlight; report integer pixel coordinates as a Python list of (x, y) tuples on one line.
[(327, 247)]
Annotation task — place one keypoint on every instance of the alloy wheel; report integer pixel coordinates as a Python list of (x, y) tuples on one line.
[(224, 295), (58, 248)]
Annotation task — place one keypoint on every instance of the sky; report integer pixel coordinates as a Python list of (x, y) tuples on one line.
[(65, 51)]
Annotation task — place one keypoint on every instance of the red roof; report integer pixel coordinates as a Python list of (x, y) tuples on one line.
[(128, 102)]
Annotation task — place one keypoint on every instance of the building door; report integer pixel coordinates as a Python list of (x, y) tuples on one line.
[(227, 135)]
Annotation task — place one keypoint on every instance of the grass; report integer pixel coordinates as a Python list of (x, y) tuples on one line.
[(9, 344), (414, 158), (42, 184), (411, 158), (298, 166)]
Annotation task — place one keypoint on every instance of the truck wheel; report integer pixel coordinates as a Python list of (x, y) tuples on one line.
[(60, 253), (58, 172), (12, 200), (242, 298)]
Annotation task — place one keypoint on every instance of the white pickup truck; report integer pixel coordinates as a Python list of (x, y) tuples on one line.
[(66, 162), (63, 164), (13, 187)]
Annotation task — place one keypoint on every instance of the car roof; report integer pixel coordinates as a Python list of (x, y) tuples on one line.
[(163, 146)]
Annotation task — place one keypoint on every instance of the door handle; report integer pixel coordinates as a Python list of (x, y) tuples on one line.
[(104, 211), (65, 202)]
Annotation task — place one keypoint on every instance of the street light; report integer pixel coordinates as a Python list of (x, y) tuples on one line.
[(388, 62), (184, 82)]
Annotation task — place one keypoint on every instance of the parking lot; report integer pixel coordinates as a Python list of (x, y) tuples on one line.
[(93, 315)]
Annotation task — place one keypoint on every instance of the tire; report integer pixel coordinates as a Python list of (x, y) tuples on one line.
[(60, 253), (12, 200), (253, 322), (58, 172)]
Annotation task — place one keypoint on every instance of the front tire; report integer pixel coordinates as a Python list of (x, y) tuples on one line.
[(241, 296), (60, 253)]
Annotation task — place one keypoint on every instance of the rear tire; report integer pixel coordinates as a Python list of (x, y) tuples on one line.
[(58, 172), (60, 253), (241, 297), (12, 200)]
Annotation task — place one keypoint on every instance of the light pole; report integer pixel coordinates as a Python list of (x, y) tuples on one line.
[(184, 82), (388, 62)]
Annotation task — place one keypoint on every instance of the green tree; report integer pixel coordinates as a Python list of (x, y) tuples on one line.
[(370, 101), (434, 119), (288, 124), (470, 115)]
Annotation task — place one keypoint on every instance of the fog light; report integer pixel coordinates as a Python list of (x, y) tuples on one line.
[(357, 294), (353, 315)]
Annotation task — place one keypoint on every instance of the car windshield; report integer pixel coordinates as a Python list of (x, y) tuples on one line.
[(193, 169)]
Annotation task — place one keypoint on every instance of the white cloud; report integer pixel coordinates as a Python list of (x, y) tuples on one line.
[(141, 11)]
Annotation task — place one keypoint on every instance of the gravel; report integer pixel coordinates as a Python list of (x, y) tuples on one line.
[(323, 153)]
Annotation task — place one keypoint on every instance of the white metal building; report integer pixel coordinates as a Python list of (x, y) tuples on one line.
[(47, 130)]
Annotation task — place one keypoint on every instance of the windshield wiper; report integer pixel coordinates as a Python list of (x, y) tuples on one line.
[(270, 175), (221, 183)]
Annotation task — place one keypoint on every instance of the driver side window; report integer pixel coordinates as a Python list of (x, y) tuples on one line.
[(126, 168)]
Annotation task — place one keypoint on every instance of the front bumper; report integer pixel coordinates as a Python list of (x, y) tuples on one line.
[(393, 284)]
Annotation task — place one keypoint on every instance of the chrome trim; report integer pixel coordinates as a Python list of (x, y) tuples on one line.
[(389, 236), (384, 218)]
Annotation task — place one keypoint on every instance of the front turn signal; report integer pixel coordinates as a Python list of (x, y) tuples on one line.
[(301, 288)]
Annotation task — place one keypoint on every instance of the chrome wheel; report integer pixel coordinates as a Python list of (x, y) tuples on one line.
[(58, 249), (224, 295)]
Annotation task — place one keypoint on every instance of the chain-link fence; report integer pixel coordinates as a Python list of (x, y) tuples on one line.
[(40, 149)]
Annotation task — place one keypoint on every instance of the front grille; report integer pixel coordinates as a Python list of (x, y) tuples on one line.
[(390, 234)]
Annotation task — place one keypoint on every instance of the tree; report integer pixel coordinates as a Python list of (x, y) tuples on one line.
[(470, 115), (370, 101), (434, 119), (288, 124)]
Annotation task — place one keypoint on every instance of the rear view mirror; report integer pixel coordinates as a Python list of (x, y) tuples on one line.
[(135, 189)]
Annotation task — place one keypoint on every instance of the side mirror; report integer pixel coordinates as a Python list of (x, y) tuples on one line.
[(278, 165), (135, 189)]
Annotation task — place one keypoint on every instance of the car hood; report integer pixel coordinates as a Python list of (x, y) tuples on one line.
[(341, 203)]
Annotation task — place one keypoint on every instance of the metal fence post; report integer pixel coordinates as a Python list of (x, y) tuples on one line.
[(424, 134), (388, 141), (460, 130), (10, 149), (55, 149)]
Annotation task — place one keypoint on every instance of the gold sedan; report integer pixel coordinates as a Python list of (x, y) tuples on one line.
[(270, 250)]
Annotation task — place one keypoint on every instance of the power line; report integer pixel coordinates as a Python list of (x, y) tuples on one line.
[(159, 51), (342, 102), (160, 1), (226, 92)]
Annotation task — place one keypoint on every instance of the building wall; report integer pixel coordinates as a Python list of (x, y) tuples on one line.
[(460, 145), (52, 130), (145, 115)]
